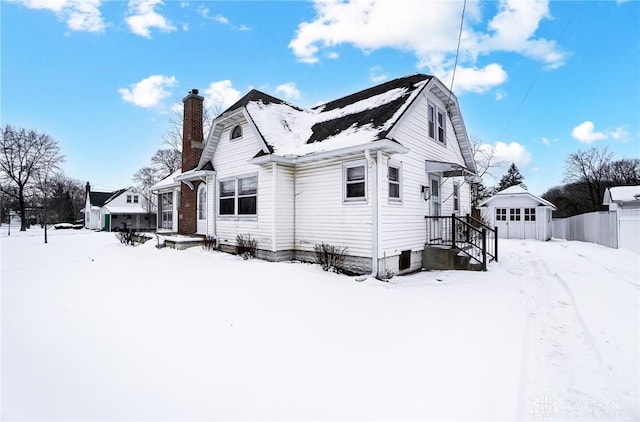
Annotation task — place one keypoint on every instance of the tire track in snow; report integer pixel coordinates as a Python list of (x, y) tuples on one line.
[(561, 363)]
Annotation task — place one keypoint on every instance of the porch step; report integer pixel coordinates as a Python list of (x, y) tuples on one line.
[(446, 258)]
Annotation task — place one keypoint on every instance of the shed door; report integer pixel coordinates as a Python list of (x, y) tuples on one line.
[(502, 222), (516, 228), (529, 223)]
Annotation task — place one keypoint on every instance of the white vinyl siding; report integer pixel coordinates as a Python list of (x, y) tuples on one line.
[(230, 162), (321, 214), (284, 208), (404, 227)]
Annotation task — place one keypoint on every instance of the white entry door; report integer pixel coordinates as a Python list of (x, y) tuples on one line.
[(434, 186), (202, 209)]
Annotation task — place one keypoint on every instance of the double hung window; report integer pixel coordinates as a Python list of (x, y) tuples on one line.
[(437, 123), (238, 196), (395, 182), (354, 177)]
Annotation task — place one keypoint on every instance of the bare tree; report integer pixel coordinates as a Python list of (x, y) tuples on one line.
[(172, 138), (485, 156), (589, 167), (25, 156), (625, 171), (166, 161), (486, 164)]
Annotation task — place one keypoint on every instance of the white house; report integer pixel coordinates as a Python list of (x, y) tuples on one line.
[(518, 214), (622, 197), (360, 172), (118, 210)]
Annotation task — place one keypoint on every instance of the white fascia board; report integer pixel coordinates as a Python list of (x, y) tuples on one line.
[(390, 147)]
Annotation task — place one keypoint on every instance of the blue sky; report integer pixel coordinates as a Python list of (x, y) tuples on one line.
[(536, 80)]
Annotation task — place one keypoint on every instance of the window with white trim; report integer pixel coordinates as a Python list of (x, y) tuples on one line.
[(395, 182), (501, 214), (514, 214), (236, 132), (135, 199), (529, 214), (437, 123), (354, 176), (128, 199), (238, 196), (165, 210), (456, 197)]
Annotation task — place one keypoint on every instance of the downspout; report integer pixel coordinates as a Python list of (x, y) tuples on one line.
[(274, 176), (213, 203), (374, 212)]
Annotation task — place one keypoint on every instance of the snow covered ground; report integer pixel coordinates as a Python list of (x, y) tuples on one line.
[(94, 330)]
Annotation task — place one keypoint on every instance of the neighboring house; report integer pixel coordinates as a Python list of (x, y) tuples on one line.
[(112, 211), (360, 172), (518, 214), (622, 197)]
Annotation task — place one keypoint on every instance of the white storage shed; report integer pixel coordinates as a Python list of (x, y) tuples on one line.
[(518, 214)]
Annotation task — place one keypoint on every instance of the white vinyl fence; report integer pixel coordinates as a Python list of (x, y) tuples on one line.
[(629, 230), (619, 229)]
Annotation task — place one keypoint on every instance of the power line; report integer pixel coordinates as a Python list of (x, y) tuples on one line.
[(455, 64)]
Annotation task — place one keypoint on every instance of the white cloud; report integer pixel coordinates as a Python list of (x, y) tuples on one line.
[(80, 15), (500, 95), (143, 17), (374, 24), (585, 133), (289, 90), (220, 95), (475, 79), (332, 55), (149, 91), (377, 74), (222, 20), (507, 153)]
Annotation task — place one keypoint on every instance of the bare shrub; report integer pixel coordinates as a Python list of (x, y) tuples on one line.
[(128, 237), (331, 258), (210, 243), (246, 246)]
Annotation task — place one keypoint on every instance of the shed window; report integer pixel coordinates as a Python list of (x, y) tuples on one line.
[(514, 214), (529, 214), (501, 214), (236, 132)]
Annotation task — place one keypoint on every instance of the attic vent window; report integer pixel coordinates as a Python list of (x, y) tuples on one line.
[(236, 132)]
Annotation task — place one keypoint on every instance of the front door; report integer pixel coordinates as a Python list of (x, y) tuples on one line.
[(202, 209), (435, 207)]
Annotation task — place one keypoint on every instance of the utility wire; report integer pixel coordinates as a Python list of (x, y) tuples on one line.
[(455, 64)]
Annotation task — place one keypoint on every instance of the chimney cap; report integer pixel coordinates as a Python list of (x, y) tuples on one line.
[(194, 91)]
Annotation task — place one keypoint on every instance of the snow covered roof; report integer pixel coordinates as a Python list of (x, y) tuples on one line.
[(516, 191), (288, 130), (167, 182), (622, 194), (123, 209)]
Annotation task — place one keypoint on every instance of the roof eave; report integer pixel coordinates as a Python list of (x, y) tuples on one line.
[(384, 145)]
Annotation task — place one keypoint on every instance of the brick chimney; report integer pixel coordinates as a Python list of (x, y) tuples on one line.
[(192, 133), (192, 145)]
